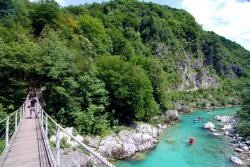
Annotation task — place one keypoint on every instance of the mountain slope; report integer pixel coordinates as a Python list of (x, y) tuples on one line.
[(104, 65)]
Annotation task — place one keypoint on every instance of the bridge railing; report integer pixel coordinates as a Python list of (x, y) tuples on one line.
[(8, 128), (64, 148)]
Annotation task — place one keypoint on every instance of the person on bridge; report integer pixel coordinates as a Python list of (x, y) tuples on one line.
[(32, 106)]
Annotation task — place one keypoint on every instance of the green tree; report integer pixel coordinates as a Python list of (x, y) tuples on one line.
[(121, 46), (244, 125), (130, 89), (156, 74), (45, 12), (93, 99), (6, 7), (15, 63), (93, 29)]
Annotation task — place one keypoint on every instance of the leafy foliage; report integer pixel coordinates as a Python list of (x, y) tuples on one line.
[(104, 65), (244, 125), (44, 12), (129, 87)]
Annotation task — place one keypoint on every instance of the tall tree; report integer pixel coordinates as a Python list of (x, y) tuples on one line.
[(45, 12)]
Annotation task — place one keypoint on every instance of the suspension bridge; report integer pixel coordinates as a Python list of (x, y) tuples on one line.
[(41, 142)]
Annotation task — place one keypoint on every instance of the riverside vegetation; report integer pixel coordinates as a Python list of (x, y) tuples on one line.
[(102, 66)]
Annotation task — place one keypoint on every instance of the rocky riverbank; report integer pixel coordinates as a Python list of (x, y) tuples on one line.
[(119, 146), (143, 137), (128, 142), (210, 107), (123, 145), (227, 129), (181, 106)]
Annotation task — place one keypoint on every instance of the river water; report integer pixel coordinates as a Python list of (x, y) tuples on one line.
[(173, 150)]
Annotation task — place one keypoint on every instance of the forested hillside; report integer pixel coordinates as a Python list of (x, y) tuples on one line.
[(103, 65)]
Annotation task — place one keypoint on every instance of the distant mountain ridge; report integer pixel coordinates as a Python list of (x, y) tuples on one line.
[(172, 34)]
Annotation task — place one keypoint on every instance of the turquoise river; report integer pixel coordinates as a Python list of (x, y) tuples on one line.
[(173, 150)]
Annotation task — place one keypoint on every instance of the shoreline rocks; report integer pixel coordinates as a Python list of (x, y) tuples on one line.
[(170, 115), (209, 126), (74, 158), (182, 107), (223, 119), (228, 129), (126, 143), (236, 160), (212, 107)]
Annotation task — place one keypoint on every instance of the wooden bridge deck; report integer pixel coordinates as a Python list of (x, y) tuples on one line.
[(27, 149)]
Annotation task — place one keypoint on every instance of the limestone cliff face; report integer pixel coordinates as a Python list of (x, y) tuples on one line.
[(195, 75), (193, 70), (201, 69)]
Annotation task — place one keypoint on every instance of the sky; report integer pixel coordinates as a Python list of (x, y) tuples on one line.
[(228, 18)]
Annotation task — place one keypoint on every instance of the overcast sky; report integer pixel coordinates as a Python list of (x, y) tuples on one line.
[(229, 18)]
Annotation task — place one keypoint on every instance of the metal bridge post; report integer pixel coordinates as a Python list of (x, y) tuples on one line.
[(20, 114), (41, 117), (7, 133), (46, 126), (58, 147), (40, 111), (23, 108), (37, 110), (16, 121)]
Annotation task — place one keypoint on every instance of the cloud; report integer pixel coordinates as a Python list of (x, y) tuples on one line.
[(229, 18)]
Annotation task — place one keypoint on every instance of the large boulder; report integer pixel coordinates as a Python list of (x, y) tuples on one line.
[(126, 143), (228, 127), (93, 142), (181, 107), (162, 126), (129, 142), (239, 150), (123, 145), (111, 147), (248, 142), (216, 134), (223, 119), (74, 158), (148, 129), (170, 115), (246, 148), (73, 142), (236, 160), (209, 125)]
